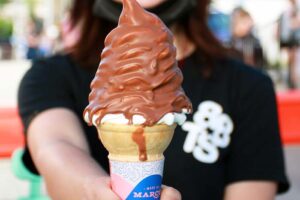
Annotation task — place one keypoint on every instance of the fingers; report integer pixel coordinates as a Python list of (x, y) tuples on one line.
[(107, 191), (169, 193), (99, 189)]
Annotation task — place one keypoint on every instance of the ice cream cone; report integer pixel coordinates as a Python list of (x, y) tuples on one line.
[(136, 158), (135, 98), (119, 141)]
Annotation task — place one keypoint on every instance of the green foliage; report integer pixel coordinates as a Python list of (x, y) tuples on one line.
[(2, 2), (6, 28)]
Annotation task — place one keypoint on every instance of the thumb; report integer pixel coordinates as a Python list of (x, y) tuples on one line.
[(99, 189), (107, 191), (169, 193)]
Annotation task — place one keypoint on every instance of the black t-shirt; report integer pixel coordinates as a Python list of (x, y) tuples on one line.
[(232, 135)]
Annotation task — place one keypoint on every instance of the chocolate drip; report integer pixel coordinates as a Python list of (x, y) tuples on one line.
[(139, 138), (138, 72)]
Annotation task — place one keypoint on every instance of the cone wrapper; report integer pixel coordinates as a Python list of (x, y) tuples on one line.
[(136, 158)]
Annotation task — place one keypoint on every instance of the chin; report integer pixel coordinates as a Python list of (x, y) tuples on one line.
[(150, 3), (147, 3)]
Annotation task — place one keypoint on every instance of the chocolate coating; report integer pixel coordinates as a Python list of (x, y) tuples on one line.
[(139, 138), (138, 72)]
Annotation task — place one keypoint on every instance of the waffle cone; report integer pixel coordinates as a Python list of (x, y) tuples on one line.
[(118, 140)]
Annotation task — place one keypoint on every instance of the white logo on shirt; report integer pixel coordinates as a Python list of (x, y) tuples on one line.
[(211, 129)]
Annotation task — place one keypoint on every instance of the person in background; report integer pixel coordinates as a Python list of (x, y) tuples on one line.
[(220, 25), (34, 35), (243, 41), (229, 149), (289, 37)]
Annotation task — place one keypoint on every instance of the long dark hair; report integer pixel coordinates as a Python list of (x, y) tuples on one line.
[(88, 48), (93, 32)]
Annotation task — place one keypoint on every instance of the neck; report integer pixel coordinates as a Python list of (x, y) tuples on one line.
[(185, 47)]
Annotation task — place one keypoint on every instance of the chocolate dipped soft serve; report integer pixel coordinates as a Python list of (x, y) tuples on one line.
[(138, 80), (136, 101)]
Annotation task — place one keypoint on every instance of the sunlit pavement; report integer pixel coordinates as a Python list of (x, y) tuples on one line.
[(292, 156), (12, 188)]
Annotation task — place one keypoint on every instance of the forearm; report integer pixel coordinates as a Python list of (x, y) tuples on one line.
[(66, 169), (248, 190), (59, 149)]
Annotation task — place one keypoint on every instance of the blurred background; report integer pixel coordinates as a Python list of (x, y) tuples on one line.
[(258, 31)]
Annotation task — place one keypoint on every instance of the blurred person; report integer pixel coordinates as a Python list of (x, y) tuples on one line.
[(237, 156), (289, 32), (49, 40), (244, 41), (219, 24), (34, 35)]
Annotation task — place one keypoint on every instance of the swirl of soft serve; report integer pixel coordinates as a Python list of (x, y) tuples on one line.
[(138, 80)]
